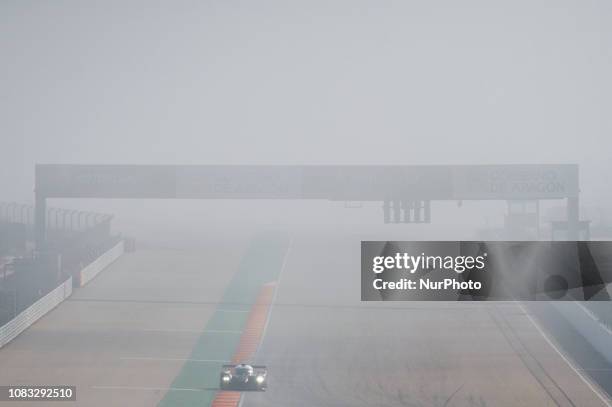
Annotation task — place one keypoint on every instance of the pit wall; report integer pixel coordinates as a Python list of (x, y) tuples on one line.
[(89, 272)]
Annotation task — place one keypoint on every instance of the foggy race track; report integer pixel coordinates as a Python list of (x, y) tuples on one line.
[(323, 347), (140, 320)]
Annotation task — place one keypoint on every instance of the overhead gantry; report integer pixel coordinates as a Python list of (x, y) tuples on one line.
[(405, 191)]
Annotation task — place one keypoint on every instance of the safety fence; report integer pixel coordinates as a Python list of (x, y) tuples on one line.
[(67, 230), (93, 269), (24, 280), (27, 317), (56, 218), (33, 280), (75, 242), (20, 308), (80, 255)]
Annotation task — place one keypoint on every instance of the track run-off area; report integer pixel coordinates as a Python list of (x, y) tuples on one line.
[(156, 326)]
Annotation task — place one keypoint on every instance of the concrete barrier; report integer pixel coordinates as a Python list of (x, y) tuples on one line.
[(27, 317), (587, 324), (92, 270)]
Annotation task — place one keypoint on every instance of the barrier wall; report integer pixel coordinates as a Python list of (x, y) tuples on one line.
[(92, 270), (27, 317)]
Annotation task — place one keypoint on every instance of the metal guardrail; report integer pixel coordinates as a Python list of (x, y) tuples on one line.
[(59, 219), (6, 267), (601, 311), (27, 317)]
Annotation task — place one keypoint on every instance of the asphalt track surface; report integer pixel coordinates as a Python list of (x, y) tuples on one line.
[(145, 332), (123, 339)]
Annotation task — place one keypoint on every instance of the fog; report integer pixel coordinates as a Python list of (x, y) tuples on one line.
[(148, 308), (318, 82)]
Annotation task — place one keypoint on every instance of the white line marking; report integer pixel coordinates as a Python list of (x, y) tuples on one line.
[(594, 317), (603, 398), (145, 388), (173, 359), (233, 310), (198, 331), (274, 296)]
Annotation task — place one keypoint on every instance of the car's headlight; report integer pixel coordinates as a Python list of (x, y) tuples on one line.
[(259, 379), (226, 378)]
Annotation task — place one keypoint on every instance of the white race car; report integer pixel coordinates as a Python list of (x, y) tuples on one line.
[(243, 377)]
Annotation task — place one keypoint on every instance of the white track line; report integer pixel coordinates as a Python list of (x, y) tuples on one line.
[(145, 388), (602, 397), (173, 359), (594, 317)]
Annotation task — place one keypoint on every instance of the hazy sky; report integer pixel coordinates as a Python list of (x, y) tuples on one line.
[(402, 82)]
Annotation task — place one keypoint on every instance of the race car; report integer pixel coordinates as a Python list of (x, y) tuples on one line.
[(243, 377)]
